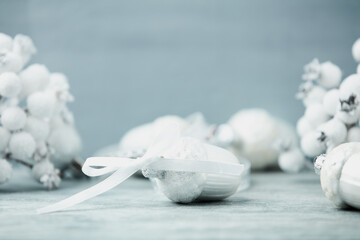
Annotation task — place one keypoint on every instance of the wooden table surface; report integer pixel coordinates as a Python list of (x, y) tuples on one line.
[(277, 206)]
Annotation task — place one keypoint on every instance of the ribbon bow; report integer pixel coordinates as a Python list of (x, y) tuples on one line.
[(123, 168)]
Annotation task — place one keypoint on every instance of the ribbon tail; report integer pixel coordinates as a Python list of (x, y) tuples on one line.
[(112, 181)]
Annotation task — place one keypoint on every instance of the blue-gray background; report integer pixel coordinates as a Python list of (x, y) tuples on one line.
[(131, 61)]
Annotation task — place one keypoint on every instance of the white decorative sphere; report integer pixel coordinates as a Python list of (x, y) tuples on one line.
[(42, 104), (24, 46), (330, 75), (291, 161), (350, 86), (335, 130), (10, 85), (315, 95), (38, 128), (34, 78), (66, 144), (22, 145), (58, 82), (13, 118), (356, 50), (4, 138), (11, 62), (331, 101), (353, 134), (5, 171), (41, 168), (5, 42), (316, 114), (303, 126), (311, 145), (348, 117)]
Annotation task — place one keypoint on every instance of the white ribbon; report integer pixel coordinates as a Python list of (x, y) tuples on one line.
[(123, 168)]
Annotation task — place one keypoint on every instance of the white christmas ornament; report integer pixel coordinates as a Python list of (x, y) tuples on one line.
[(331, 101), (38, 128), (303, 126), (42, 104), (330, 75), (34, 78), (10, 85), (13, 118), (22, 145), (316, 114)]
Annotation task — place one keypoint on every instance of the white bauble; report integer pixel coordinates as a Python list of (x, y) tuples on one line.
[(34, 78), (350, 86), (5, 171), (356, 50), (6, 42), (10, 85), (316, 114), (303, 126), (38, 128), (331, 101), (66, 144), (315, 95), (311, 145), (13, 118), (22, 145), (353, 134), (42, 104), (291, 161), (330, 75), (335, 130), (4, 138)]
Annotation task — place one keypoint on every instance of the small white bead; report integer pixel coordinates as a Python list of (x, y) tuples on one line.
[(5, 171), (42, 104), (310, 144), (356, 50), (316, 114), (292, 161), (331, 101), (303, 126), (22, 145), (6, 42), (353, 134), (4, 138), (38, 128), (330, 75), (13, 118), (10, 85), (34, 78), (315, 95)]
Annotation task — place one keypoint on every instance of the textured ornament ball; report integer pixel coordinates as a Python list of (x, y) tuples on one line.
[(34, 78), (292, 161), (310, 144), (353, 134), (22, 145), (5, 42), (331, 101), (42, 104), (10, 85), (38, 128), (13, 118), (316, 114), (5, 171), (4, 138), (356, 50), (330, 75)]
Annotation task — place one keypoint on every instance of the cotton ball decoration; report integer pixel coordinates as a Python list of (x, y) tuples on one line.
[(335, 120), (5, 171), (292, 161), (356, 50), (22, 145), (42, 104), (37, 129), (13, 118), (10, 85), (34, 78)]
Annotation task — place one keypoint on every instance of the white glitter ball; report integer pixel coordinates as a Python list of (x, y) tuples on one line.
[(42, 104), (356, 50), (292, 161), (331, 101), (22, 145), (13, 118), (4, 138), (38, 128), (5, 171), (10, 85), (330, 75), (34, 78)]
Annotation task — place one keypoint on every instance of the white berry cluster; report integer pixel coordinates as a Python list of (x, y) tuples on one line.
[(332, 106), (36, 127)]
